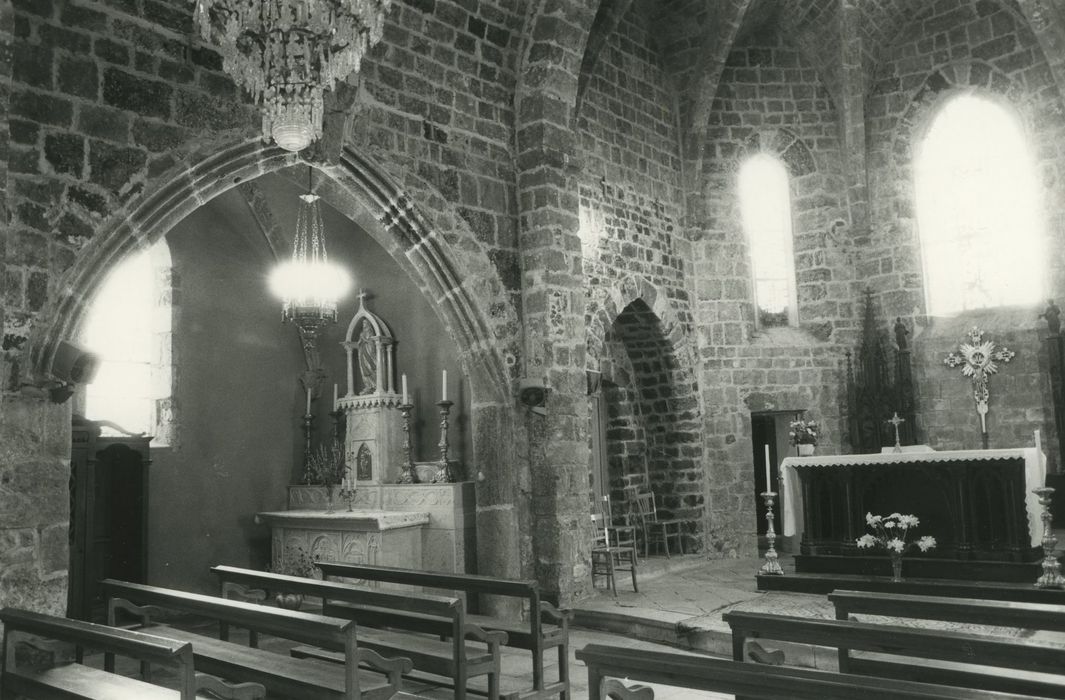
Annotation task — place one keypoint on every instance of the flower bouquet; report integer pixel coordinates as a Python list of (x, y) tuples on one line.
[(803, 432), (893, 533)]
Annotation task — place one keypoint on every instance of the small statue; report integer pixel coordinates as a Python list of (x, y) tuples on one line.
[(900, 333), (1052, 314), (367, 359)]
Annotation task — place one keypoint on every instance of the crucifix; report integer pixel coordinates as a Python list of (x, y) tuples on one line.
[(977, 360), (895, 422)]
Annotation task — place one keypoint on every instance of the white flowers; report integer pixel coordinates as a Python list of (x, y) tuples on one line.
[(892, 532)]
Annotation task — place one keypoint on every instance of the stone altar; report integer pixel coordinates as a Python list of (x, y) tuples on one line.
[(382, 538), (448, 538)]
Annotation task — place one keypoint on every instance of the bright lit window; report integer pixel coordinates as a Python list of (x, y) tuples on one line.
[(978, 210), (127, 326), (765, 203)]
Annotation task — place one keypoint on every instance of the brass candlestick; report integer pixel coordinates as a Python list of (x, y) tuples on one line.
[(409, 475), (443, 473), (338, 425), (1051, 577), (771, 566), (308, 423)]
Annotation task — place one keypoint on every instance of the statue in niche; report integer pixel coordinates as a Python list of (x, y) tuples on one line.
[(367, 359), (1052, 314), (364, 464), (900, 333)]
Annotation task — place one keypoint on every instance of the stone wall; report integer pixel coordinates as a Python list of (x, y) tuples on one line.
[(772, 101), (954, 47)]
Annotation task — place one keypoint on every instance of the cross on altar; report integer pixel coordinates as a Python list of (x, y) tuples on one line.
[(977, 360), (895, 422)]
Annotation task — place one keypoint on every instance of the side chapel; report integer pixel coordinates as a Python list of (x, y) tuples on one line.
[(594, 249)]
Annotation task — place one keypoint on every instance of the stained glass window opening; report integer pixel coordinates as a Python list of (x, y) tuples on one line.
[(765, 204)]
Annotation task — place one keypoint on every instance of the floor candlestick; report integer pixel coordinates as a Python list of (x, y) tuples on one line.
[(771, 566), (1051, 577)]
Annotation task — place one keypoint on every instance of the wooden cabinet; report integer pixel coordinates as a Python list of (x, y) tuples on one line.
[(108, 514)]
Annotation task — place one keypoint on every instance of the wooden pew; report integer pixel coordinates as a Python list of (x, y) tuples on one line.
[(282, 675), (76, 680), (998, 613), (547, 629), (750, 680), (1018, 666), (404, 614)]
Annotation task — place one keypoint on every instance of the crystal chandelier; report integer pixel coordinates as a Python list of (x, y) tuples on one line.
[(286, 53), (309, 285)]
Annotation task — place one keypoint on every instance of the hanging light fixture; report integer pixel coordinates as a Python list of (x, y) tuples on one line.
[(286, 53), (309, 285)]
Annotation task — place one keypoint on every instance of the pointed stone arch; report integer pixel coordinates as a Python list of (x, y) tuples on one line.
[(356, 187)]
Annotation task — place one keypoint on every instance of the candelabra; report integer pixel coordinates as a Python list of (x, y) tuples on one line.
[(1051, 577), (409, 475), (771, 566), (443, 473)]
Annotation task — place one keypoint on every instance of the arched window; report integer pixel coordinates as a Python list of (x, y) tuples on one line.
[(978, 209), (129, 327), (765, 203)]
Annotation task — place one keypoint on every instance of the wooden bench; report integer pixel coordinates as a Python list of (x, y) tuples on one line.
[(546, 629), (43, 678), (282, 675), (403, 614), (997, 613), (1018, 666), (609, 663)]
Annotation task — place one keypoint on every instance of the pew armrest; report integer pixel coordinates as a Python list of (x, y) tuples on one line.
[(616, 690), (393, 668), (230, 691), (558, 616), (492, 638), (238, 591), (144, 613)]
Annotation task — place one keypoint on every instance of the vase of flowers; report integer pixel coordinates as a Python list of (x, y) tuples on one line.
[(803, 434), (893, 533), (295, 562), (326, 467)]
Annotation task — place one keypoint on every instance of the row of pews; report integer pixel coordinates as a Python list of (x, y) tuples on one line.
[(895, 661), (366, 643)]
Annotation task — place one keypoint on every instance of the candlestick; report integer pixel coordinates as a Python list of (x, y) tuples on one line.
[(308, 420), (768, 483), (443, 473), (443, 386), (1051, 577), (771, 566), (409, 475)]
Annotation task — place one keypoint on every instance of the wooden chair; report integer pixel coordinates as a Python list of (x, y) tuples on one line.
[(623, 535), (652, 526), (608, 557)]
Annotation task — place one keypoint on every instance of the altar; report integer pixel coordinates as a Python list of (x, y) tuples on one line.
[(977, 504)]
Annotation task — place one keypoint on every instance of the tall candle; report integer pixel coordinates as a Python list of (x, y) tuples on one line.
[(334, 397), (404, 378), (768, 484), (308, 401), (443, 386)]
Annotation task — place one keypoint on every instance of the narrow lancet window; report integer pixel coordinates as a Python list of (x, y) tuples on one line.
[(765, 203)]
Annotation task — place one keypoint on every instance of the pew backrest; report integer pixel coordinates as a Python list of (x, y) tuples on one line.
[(176, 656), (999, 613), (756, 681)]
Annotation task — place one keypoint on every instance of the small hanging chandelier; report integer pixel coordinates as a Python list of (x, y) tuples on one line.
[(286, 53), (309, 285)]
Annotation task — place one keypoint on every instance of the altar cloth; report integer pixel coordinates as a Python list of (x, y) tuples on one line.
[(791, 493)]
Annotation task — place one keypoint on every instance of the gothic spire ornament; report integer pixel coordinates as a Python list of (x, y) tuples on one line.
[(977, 360), (287, 53)]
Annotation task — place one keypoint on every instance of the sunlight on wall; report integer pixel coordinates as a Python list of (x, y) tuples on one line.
[(978, 210), (765, 204)]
